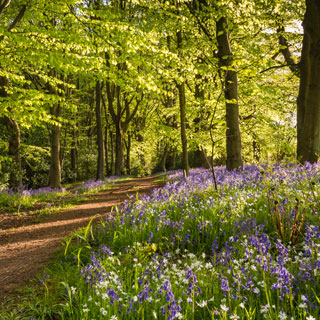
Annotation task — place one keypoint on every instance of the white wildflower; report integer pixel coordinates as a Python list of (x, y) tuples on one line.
[(264, 309), (256, 290), (282, 315), (103, 311), (224, 307), (202, 304)]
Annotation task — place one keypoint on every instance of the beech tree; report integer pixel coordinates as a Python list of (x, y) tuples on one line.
[(308, 103)]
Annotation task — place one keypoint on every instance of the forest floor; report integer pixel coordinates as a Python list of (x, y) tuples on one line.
[(27, 244)]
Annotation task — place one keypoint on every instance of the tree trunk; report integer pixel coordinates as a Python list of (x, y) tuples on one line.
[(128, 145), (184, 142), (106, 146), (200, 157), (74, 156), (233, 136), (55, 167), (15, 176), (308, 102), (182, 105), (173, 159), (119, 151), (164, 157), (112, 165), (100, 160)]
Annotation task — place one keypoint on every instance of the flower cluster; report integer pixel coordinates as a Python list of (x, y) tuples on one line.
[(187, 251)]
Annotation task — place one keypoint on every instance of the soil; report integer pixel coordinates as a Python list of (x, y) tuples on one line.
[(27, 245)]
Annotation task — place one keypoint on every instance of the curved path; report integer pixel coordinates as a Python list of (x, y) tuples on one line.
[(26, 249)]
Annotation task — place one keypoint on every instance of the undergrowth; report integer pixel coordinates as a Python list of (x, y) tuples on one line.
[(250, 250)]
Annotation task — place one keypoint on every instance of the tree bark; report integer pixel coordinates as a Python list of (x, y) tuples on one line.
[(173, 158), (284, 49), (199, 155), (128, 160), (111, 153), (308, 113), (119, 170), (182, 105), (54, 180), (184, 141), (100, 161), (164, 158), (15, 176), (106, 147), (74, 156), (233, 136), (303, 92), (308, 102)]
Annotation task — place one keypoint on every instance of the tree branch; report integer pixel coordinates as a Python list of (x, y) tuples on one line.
[(284, 49), (18, 18), (4, 4), (276, 67)]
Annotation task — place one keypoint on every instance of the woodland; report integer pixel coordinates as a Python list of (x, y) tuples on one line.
[(98, 88), (214, 102)]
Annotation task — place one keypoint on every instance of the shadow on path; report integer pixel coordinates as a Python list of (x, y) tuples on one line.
[(26, 250)]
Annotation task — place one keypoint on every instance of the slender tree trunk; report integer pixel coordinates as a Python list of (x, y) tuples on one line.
[(119, 169), (256, 149), (128, 160), (55, 167), (173, 158), (106, 146), (119, 151), (182, 105), (308, 102), (184, 142), (100, 162), (74, 156), (106, 138), (164, 157), (200, 157), (233, 136), (303, 92), (112, 165), (15, 176)]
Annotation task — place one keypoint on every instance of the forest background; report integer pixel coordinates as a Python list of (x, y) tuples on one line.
[(96, 88)]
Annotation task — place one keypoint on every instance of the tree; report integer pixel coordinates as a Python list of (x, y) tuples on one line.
[(233, 136), (15, 179), (202, 11), (101, 157), (308, 103), (182, 105)]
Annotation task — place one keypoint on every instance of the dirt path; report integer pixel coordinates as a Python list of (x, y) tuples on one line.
[(26, 249)]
